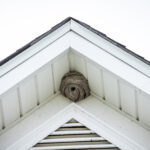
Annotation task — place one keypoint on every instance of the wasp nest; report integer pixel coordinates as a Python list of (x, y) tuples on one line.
[(74, 86)]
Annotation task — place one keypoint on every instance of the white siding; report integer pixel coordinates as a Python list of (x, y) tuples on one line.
[(128, 103), (79, 64), (111, 89), (95, 79), (45, 83), (71, 61), (60, 67), (144, 108), (10, 105), (28, 95), (1, 120)]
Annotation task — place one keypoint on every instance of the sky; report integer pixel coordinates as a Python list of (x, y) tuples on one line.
[(126, 21)]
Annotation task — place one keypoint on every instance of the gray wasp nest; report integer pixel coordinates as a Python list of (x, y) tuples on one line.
[(74, 86)]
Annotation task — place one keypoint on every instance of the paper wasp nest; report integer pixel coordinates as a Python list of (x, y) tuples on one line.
[(74, 86)]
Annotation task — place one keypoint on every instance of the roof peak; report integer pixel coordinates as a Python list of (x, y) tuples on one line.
[(84, 25)]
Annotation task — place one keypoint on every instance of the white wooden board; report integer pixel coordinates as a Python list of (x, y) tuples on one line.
[(60, 67), (111, 89), (1, 117), (10, 106), (45, 83), (95, 79), (79, 64), (128, 103), (144, 108), (28, 95)]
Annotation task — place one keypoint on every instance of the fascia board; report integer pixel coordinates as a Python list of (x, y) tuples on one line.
[(86, 33), (110, 48), (25, 69), (35, 48), (51, 120)]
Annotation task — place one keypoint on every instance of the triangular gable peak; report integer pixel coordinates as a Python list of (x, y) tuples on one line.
[(116, 76)]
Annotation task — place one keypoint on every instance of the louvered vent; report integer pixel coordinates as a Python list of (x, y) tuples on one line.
[(74, 135)]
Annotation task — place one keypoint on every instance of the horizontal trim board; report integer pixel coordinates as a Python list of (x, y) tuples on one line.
[(72, 125), (74, 147), (62, 140), (72, 132)]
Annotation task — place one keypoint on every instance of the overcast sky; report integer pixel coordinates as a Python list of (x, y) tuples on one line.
[(126, 21)]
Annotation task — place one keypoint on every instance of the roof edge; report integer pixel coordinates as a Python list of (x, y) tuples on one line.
[(20, 50), (34, 41)]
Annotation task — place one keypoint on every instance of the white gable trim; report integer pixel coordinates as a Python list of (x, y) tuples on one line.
[(72, 25), (109, 62), (110, 48), (49, 53), (36, 129), (35, 48), (86, 48)]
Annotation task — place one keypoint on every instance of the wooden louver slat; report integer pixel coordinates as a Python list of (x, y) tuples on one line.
[(73, 135)]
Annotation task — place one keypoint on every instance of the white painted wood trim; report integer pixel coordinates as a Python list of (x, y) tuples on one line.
[(110, 48), (74, 147), (24, 70), (72, 125), (72, 132), (50, 124), (88, 50), (109, 62), (36, 48), (87, 34), (85, 139), (26, 133)]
